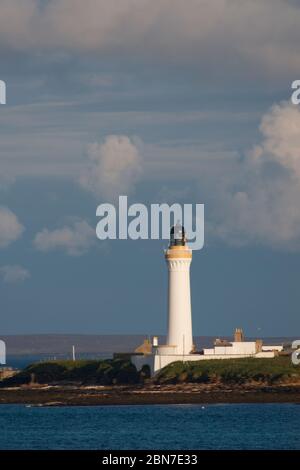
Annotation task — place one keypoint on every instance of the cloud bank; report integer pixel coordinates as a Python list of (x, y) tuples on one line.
[(198, 33), (266, 208)]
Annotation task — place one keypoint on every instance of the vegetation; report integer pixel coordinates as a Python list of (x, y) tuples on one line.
[(231, 371), (121, 371), (92, 372)]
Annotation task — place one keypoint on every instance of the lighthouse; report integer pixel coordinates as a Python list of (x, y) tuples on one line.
[(179, 340), (178, 258)]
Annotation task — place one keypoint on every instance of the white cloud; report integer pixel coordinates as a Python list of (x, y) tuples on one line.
[(14, 273), (251, 36), (281, 143), (75, 239), (114, 167), (10, 227), (266, 207)]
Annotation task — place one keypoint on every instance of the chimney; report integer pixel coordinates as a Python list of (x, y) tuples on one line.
[(238, 335)]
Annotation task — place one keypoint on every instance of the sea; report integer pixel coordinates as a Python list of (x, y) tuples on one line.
[(155, 427)]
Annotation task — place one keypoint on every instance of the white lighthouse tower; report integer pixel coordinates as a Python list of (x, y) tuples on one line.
[(179, 343), (179, 257)]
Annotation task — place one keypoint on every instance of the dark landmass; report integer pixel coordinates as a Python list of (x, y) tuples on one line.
[(81, 372), (56, 344), (117, 382)]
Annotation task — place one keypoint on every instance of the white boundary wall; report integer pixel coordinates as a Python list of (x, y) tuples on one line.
[(158, 361)]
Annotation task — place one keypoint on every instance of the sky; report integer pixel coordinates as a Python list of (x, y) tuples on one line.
[(163, 101)]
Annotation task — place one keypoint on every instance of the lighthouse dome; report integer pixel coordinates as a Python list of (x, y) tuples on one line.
[(177, 235)]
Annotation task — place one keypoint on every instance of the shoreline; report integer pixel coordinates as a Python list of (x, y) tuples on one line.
[(72, 395)]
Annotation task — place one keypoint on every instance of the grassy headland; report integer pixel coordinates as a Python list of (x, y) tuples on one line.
[(83, 372), (231, 371), (117, 382)]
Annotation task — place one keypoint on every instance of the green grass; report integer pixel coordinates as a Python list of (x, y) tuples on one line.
[(122, 371), (231, 371), (104, 372)]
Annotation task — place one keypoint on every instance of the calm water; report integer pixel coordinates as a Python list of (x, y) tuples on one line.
[(151, 427)]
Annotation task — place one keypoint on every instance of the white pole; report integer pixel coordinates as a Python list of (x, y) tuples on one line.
[(73, 353)]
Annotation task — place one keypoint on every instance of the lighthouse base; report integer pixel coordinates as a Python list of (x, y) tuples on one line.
[(158, 361)]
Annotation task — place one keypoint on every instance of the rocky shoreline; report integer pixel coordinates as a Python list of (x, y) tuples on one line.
[(76, 395)]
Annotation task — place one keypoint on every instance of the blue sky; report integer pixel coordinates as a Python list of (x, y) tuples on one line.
[(165, 101)]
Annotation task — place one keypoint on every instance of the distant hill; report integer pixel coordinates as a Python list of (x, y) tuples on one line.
[(62, 343)]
